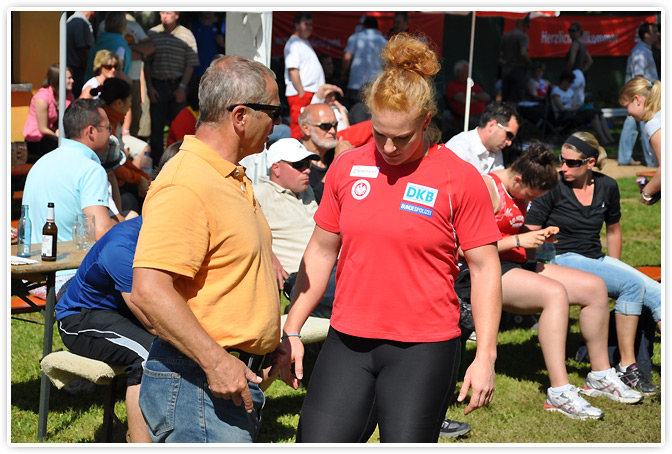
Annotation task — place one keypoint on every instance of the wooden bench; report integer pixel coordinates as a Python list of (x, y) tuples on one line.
[(654, 272), (63, 367), (20, 306)]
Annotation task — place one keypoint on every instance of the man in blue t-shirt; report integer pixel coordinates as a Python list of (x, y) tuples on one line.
[(96, 320)]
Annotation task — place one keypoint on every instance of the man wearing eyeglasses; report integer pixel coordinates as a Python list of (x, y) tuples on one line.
[(318, 127), (71, 176), (203, 275), (482, 146)]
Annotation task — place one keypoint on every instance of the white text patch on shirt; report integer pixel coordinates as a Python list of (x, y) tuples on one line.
[(420, 194), (364, 171)]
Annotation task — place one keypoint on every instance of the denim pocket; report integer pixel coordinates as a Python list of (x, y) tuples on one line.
[(158, 398)]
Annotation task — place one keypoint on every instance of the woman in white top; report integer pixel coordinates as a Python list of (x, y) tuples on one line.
[(642, 99)]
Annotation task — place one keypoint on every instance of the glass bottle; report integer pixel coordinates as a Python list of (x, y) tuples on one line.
[(23, 243), (49, 236)]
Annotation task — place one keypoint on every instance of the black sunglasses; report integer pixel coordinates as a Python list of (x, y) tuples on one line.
[(325, 126), (300, 165), (509, 134), (275, 111), (572, 162)]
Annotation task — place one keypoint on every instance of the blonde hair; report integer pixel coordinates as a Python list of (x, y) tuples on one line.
[(105, 57), (406, 82), (643, 87), (592, 141)]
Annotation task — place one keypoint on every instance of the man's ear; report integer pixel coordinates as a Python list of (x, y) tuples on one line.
[(238, 115), (275, 169), (305, 130)]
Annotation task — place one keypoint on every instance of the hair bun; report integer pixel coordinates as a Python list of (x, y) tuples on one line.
[(407, 53)]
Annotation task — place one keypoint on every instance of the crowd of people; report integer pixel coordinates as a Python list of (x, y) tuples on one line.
[(365, 220)]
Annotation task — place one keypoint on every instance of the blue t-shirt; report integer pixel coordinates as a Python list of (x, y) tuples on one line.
[(105, 272), (206, 39), (70, 176)]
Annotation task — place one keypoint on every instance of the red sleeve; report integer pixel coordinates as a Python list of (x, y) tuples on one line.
[(358, 134), (184, 124)]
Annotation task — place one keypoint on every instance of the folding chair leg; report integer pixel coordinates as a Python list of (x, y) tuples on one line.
[(108, 411)]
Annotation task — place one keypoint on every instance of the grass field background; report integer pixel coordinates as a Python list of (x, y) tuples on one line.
[(516, 414)]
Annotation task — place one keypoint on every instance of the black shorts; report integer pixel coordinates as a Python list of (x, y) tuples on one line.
[(108, 336), (529, 265)]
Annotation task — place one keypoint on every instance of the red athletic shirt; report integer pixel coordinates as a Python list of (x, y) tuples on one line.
[(398, 226), (510, 218)]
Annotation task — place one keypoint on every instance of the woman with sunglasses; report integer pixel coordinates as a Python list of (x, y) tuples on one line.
[(579, 206), (106, 64), (531, 287), (393, 210), (642, 99)]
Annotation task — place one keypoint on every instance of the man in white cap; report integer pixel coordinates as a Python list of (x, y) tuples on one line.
[(288, 202)]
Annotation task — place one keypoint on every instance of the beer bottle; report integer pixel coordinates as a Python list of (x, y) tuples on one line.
[(49, 236)]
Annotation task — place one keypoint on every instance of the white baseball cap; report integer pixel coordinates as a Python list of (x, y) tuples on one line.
[(290, 150)]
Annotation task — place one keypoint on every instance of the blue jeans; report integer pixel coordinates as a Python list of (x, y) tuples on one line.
[(629, 287), (627, 143), (178, 406)]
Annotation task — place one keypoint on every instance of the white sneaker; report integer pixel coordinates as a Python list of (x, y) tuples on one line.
[(612, 387), (571, 404)]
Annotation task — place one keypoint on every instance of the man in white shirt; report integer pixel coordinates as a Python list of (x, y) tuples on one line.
[(288, 203), (482, 147), (303, 71)]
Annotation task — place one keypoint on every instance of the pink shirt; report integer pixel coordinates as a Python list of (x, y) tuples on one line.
[(399, 227), (30, 130)]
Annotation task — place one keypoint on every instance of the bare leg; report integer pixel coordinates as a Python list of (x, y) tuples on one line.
[(525, 292), (626, 330), (136, 423), (589, 292)]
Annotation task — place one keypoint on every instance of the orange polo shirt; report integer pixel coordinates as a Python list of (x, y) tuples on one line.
[(202, 222)]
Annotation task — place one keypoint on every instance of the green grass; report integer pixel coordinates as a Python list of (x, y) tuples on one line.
[(516, 414)]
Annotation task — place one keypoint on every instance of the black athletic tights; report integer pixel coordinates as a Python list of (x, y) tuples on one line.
[(358, 383)]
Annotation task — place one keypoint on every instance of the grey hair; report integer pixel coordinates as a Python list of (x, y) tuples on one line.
[(231, 80), (459, 65)]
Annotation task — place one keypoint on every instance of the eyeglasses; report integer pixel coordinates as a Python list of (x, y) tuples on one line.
[(300, 165), (110, 67), (109, 128), (325, 126), (571, 30), (572, 162), (275, 111), (509, 135)]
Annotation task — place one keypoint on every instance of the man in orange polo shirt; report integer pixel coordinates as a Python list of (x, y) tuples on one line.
[(203, 276)]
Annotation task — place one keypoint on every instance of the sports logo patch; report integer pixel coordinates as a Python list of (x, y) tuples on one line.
[(360, 189), (420, 194), (416, 209), (364, 171)]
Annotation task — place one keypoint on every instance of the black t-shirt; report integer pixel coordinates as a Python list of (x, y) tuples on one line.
[(315, 181), (579, 225)]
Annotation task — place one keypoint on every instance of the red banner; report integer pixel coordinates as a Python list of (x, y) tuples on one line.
[(603, 36), (331, 29)]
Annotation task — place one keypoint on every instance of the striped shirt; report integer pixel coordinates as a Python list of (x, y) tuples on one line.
[(173, 52)]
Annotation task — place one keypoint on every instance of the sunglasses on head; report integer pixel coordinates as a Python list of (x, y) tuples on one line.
[(300, 165), (325, 126), (509, 135), (275, 112), (572, 162)]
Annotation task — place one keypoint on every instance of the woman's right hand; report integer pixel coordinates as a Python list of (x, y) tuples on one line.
[(294, 354)]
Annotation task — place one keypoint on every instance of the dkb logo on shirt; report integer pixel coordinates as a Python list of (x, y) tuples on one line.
[(420, 194)]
